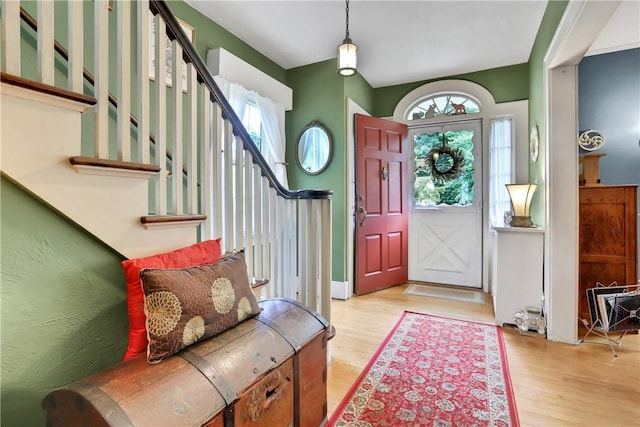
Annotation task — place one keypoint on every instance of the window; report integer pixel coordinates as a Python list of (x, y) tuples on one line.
[(449, 104), (253, 123), (263, 119), (500, 168)]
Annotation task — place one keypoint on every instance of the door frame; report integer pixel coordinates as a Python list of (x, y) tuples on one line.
[(346, 290), (580, 25), (490, 109)]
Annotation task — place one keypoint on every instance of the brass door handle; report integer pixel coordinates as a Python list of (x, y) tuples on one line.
[(364, 212)]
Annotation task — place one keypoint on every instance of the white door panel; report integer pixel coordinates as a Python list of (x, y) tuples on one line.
[(443, 249)]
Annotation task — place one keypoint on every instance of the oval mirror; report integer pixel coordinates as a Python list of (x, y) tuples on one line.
[(313, 148)]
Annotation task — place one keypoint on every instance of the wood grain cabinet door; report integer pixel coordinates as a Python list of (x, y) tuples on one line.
[(608, 238)]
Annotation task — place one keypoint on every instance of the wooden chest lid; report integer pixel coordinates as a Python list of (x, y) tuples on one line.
[(236, 359), (194, 385), (294, 321), (136, 393)]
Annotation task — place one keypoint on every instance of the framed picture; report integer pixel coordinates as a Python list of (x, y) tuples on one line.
[(191, 34)]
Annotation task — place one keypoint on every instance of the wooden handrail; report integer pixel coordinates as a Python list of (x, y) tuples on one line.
[(175, 32)]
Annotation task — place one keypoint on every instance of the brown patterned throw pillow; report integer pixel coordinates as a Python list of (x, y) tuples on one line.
[(184, 306)]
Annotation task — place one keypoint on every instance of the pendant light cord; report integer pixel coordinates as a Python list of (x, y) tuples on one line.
[(346, 36)]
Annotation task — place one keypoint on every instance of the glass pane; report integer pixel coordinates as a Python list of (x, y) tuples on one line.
[(444, 172), (443, 105), (253, 123)]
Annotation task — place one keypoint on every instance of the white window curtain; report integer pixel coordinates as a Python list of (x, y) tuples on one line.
[(272, 119), (273, 150), (500, 168)]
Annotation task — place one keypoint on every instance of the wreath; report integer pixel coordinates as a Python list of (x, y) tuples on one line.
[(445, 163)]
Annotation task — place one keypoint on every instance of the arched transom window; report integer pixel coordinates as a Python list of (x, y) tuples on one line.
[(443, 104)]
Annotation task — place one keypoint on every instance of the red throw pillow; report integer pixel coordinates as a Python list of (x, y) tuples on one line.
[(206, 252)]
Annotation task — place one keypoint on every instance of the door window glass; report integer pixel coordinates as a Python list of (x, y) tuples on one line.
[(443, 168)]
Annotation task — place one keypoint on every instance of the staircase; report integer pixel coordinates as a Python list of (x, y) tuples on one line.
[(115, 157)]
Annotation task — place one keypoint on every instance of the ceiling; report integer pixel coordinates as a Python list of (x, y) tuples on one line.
[(399, 41)]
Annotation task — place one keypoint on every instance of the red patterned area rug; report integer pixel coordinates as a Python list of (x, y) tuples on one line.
[(433, 371)]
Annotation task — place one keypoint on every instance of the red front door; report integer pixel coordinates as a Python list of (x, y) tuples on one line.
[(382, 207)]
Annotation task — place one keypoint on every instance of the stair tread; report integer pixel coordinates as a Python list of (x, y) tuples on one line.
[(116, 164), (45, 88), (150, 219)]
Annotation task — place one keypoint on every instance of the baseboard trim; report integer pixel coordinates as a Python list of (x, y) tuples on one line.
[(340, 290)]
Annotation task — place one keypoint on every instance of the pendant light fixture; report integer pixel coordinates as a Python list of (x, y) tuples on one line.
[(347, 52)]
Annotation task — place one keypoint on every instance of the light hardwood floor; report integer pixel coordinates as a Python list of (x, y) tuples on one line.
[(555, 384)]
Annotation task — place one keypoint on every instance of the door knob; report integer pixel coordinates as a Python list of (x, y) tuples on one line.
[(363, 211)]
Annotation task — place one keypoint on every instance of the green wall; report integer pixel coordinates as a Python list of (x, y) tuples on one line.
[(550, 21), (64, 313), (319, 93), (505, 84), (209, 35)]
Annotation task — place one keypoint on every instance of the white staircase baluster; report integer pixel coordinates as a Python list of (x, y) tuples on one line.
[(257, 223), (76, 46), (303, 259), (266, 235), (314, 230), (144, 47), (279, 275), (177, 188), (192, 140), (275, 243), (123, 10), (209, 164), (45, 40), (248, 213), (216, 146), (161, 114), (289, 275), (101, 86), (324, 261), (228, 187), (239, 195), (11, 37)]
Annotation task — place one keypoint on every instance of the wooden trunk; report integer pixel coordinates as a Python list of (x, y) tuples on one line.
[(608, 239), (269, 370)]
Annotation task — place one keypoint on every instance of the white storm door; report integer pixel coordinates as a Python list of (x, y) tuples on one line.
[(445, 223)]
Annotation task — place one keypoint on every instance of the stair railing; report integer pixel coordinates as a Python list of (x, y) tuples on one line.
[(285, 234)]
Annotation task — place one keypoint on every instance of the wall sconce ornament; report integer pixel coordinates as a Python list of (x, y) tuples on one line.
[(591, 140), (534, 143), (521, 195)]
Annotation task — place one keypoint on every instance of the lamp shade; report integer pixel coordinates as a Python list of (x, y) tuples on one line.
[(521, 195), (347, 58)]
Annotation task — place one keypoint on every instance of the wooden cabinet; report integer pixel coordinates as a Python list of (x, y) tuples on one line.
[(518, 254), (608, 238)]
